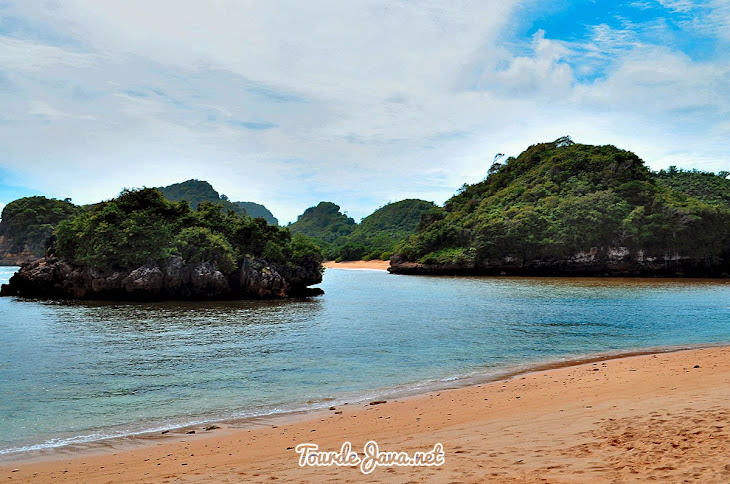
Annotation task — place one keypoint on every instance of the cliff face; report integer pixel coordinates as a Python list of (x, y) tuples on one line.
[(616, 261), (51, 277)]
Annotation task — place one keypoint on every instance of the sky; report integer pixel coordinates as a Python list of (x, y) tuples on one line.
[(362, 103)]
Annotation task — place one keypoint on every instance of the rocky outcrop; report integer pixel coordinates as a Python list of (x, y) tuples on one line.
[(259, 280), (51, 277), (615, 261)]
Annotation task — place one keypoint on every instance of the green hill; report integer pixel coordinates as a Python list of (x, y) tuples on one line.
[(326, 225), (31, 221), (561, 208), (374, 238), (257, 210), (197, 191), (378, 234), (702, 185)]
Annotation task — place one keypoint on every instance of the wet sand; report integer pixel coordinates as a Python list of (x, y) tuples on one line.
[(662, 417), (380, 265)]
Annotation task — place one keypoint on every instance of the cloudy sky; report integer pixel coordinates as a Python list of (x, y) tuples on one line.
[(288, 103)]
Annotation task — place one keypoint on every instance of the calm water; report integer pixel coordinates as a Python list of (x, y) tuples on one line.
[(78, 372)]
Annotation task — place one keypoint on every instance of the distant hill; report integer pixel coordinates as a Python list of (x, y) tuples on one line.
[(707, 187), (196, 191), (378, 234), (26, 225), (376, 237), (563, 208), (325, 224), (256, 210)]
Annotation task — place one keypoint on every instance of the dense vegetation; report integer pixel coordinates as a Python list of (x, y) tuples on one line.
[(552, 201), (142, 225), (197, 191), (326, 225), (380, 232), (557, 199), (704, 186), (32, 220), (374, 238)]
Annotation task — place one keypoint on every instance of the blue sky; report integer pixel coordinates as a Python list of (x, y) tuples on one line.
[(288, 103)]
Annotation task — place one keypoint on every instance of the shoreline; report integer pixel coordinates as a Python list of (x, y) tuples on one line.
[(126, 446), (405, 391), (375, 265)]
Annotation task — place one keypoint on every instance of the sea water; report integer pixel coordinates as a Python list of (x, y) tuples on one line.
[(73, 372)]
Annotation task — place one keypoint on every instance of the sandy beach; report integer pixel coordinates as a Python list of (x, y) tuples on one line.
[(381, 265), (663, 417)]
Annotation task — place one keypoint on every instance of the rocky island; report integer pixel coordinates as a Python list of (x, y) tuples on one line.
[(141, 246), (567, 209)]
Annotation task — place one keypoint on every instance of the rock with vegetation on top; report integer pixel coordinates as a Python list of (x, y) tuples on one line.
[(562, 208), (141, 246)]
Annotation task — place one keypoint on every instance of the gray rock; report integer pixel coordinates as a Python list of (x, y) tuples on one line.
[(207, 281), (50, 277), (260, 280), (147, 280), (177, 277)]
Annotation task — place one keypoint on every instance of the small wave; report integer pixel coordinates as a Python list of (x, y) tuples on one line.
[(91, 438)]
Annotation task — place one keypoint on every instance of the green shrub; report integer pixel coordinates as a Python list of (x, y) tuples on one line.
[(304, 247), (141, 226), (199, 244)]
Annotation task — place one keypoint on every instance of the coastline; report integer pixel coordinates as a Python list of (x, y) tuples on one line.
[(377, 265), (475, 419)]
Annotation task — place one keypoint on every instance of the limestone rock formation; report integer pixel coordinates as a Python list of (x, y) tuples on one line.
[(51, 277)]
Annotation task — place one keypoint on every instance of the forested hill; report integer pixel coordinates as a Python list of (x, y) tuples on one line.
[(707, 187), (380, 232), (257, 210), (196, 191), (566, 208), (26, 225), (324, 223), (341, 238)]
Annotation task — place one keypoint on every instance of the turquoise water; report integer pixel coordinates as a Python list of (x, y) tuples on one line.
[(78, 372)]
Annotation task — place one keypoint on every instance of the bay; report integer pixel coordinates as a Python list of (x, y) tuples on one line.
[(74, 372)]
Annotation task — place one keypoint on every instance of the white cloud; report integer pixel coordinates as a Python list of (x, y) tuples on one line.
[(682, 6), (290, 103), (544, 72), (46, 111), (28, 56)]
